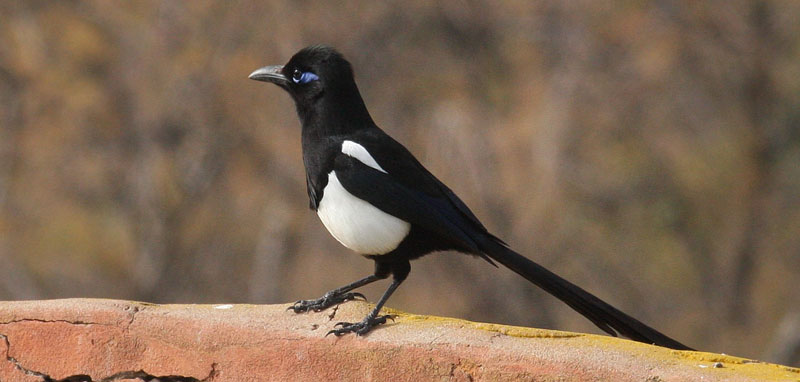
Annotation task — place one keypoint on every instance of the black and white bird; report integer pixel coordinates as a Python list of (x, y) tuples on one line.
[(376, 199)]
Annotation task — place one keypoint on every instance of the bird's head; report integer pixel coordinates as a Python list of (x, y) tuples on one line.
[(322, 85), (311, 74)]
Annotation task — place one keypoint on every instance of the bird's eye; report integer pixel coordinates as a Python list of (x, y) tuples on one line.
[(301, 77)]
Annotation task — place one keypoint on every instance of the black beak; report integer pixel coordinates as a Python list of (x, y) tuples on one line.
[(270, 74)]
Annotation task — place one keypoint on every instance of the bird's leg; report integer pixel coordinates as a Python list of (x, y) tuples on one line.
[(372, 320), (334, 297)]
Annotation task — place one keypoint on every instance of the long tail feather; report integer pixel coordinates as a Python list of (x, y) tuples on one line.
[(605, 316)]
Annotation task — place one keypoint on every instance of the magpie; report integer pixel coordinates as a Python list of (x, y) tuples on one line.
[(379, 201)]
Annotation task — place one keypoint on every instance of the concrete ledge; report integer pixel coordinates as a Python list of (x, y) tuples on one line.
[(105, 340)]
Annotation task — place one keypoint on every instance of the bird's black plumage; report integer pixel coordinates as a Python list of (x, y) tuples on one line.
[(384, 204)]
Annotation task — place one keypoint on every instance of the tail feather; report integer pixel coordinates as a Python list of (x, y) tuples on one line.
[(605, 316)]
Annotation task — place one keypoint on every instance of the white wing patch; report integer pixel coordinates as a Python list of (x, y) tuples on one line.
[(359, 152)]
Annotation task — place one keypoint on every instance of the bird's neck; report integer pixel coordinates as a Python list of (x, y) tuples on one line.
[(335, 113)]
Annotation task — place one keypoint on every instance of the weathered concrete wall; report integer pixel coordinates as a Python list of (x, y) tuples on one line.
[(105, 340)]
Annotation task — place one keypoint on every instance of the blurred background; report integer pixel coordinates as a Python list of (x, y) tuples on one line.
[(647, 150)]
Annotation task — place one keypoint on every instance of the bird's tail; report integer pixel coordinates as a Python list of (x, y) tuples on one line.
[(605, 316)]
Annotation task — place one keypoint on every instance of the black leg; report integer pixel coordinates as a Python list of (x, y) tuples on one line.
[(336, 296), (400, 271), (342, 294)]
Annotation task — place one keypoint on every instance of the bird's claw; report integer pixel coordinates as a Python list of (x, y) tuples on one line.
[(359, 328), (324, 302)]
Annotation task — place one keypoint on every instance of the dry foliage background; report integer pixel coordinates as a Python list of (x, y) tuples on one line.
[(646, 150)]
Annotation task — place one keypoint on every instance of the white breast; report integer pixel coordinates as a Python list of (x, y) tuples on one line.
[(357, 224)]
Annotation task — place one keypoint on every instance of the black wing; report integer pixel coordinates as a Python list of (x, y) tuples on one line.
[(405, 169), (434, 213)]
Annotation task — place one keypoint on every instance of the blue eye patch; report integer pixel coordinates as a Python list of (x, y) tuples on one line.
[(303, 77)]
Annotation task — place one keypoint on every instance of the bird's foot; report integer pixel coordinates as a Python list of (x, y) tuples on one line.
[(324, 302), (359, 328)]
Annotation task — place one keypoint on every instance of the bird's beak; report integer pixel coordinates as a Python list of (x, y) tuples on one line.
[(272, 74)]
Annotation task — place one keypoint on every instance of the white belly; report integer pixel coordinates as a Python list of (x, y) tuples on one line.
[(357, 224)]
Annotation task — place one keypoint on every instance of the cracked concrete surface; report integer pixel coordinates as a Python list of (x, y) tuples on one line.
[(17, 365), (86, 340), (120, 376), (140, 375)]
